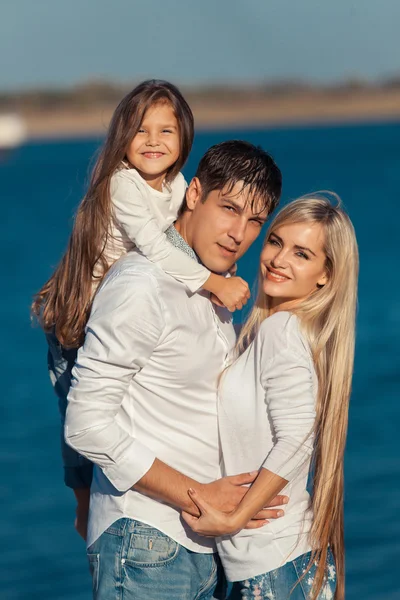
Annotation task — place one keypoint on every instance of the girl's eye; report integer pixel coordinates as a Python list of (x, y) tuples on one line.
[(141, 130), (167, 131)]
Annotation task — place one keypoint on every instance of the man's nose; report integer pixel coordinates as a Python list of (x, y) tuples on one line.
[(238, 230)]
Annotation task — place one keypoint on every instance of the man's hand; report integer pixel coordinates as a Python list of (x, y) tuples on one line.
[(226, 493)]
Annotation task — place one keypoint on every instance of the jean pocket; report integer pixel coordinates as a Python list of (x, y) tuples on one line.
[(149, 547), (94, 566)]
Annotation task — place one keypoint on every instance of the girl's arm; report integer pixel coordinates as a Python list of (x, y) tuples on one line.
[(135, 217)]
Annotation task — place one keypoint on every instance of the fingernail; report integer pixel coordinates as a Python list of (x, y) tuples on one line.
[(252, 473), (191, 491), (280, 513), (285, 500)]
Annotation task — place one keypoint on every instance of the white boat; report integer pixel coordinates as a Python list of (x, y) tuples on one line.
[(12, 131)]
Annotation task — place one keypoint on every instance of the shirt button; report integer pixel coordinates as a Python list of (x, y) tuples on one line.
[(122, 561)]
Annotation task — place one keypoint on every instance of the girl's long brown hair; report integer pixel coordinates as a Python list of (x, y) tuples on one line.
[(65, 300), (327, 318)]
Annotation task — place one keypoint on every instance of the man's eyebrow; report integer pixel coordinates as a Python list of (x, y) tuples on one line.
[(296, 245), (240, 209)]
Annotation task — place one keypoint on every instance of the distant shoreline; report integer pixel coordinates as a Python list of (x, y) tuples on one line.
[(88, 114)]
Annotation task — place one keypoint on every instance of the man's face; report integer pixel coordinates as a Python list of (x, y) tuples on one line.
[(221, 228)]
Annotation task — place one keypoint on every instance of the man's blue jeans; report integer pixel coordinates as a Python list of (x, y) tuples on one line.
[(133, 561)]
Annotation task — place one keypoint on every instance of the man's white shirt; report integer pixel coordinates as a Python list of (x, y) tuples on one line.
[(145, 386)]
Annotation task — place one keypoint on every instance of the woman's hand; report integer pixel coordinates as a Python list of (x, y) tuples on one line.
[(213, 522)]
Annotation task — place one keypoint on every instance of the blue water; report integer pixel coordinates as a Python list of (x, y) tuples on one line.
[(41, 185)]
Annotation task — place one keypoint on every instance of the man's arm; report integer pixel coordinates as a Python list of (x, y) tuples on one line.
[(123, 330)]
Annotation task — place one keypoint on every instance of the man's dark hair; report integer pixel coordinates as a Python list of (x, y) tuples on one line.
[(227, 163)]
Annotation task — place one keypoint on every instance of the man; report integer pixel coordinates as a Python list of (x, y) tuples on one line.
[(142, 405)]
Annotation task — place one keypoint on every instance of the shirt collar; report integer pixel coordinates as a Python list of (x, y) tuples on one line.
[(177, 240)]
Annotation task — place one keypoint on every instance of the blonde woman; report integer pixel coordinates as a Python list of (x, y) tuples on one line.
[(284, 406)]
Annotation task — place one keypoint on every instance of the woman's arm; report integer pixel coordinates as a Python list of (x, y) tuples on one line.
[(290, 401), (213, 522)]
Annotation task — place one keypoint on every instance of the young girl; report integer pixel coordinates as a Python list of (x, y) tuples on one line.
[(135, 193), (284, 400)]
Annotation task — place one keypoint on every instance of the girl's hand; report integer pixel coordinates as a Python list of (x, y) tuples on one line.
[(233, 292), (233, 270), (213, 522), (215, 300)]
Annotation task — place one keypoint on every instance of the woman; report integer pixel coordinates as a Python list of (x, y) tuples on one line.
[(283, 402)]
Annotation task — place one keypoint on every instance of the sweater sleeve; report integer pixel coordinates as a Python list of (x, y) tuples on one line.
[(290, 401), (135, 217), (119, 341)]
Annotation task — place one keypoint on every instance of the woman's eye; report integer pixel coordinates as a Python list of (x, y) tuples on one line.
[(167, 131), (302, 255), (273, 242)]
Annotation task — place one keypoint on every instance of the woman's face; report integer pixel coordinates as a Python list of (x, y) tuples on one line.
[(293, 263)]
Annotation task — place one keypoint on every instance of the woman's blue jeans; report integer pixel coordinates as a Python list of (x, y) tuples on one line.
[(280, 584)]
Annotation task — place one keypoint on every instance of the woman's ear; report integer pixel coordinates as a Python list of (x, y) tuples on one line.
[(193, 193), (322, 281)]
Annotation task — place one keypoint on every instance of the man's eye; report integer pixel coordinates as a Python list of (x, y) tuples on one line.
[(230, 208)]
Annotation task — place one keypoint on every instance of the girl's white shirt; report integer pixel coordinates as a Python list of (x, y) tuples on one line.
[(266, 415), (141, 215)]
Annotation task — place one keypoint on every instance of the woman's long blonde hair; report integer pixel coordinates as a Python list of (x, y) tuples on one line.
[(327, 319)]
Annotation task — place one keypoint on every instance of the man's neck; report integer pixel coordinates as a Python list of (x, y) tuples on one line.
[(181, 225)]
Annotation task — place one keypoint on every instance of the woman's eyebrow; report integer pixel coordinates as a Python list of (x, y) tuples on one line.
[(296, 245), (304, 248)]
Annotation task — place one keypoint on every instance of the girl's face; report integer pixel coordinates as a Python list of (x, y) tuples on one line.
[(293, 263), (156, 146)]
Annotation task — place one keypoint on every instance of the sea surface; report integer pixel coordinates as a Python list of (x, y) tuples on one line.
[(42, 558)]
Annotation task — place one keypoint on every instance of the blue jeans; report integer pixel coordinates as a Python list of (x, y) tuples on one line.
[(278, 584), (132, 560)]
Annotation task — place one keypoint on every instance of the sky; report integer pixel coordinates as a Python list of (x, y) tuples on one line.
[(57, 43)]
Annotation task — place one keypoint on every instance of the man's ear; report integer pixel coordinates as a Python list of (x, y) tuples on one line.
[(193, 193)]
